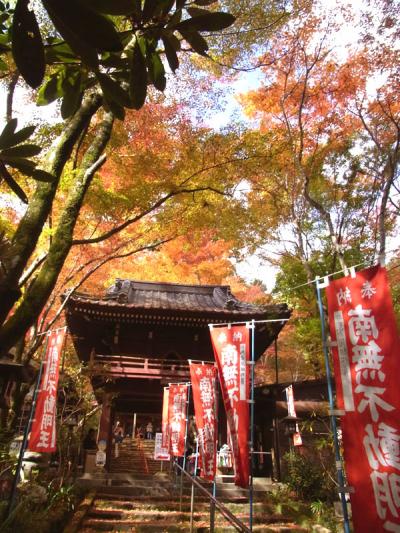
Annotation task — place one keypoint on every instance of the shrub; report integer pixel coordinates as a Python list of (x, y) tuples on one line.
[(307, 479)]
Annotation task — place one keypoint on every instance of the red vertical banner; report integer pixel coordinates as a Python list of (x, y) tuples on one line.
[(164, 422), (366, 357), (43, 432), (177, 409), (297, 440), (232, 352), (203, 378)]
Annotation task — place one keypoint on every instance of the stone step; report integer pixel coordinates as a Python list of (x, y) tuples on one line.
[(108, 502), (180, 522)]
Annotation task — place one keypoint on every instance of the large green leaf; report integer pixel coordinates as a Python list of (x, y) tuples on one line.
[(196, 41), (27, 45), (16, 138), (196, 11), (89, 26), (41, 175), (60, 52), (49, 91), (156, 70), (211, 22), (78, 45), (113, 92), (5, 43), (113, 7), (24, 165), (150, 9), (72, 92), (138, 76), (8, 132), (12, 183), (170, 52), (24, 150)]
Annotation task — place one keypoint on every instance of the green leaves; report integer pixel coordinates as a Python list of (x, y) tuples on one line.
[(156, 70), (14, 154), (138, 75), (170, 51), (208, 22), (115, 7), (122, 63), (89, 27), (27, 45), (196, 41)]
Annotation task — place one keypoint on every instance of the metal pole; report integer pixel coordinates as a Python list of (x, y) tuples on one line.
[(275, 420), (339, 467), (26, 433), (212, 508), (186, 436), (253, 327), (214, 490), (192, 495)]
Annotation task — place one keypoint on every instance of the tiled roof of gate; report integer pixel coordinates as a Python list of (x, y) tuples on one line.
[(134, 295)]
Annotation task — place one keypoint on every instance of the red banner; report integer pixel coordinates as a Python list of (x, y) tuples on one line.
[(231, 349), (203, 377), (297, 440), (43, 433), (366, 351), (177, 409), (164, 423)]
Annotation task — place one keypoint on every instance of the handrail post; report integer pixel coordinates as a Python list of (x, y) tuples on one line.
[(186, 436), (236, 523), (212, 512), (192, 495)]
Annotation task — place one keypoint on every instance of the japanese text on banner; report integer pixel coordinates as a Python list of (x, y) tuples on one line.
[(366, 356), (231, 350), (43, 431), (203, 378), (177, 409)]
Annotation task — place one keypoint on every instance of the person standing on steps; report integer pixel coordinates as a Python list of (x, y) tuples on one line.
[(118, 437), (149, 430)]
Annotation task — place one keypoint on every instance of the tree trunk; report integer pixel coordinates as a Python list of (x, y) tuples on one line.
[(29, 229), (40, 289)]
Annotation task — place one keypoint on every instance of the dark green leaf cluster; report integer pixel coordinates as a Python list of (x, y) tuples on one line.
[(117, 45), (15, 153)]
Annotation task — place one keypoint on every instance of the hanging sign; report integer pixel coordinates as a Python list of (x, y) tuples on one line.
[(164, 423), (160, 452), (231, 349), (177, 418), (203, 378), (292, 412), (366, 356), (43, 432)]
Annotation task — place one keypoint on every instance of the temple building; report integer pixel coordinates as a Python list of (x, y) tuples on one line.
[(139, 336)]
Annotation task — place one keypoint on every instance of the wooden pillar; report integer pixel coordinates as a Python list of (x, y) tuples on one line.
[(105, 429)]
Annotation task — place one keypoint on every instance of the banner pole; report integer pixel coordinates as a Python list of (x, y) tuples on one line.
[(186, 436), (253, 327), (214, 489), (338, 459), (26, 432), (192, 495)]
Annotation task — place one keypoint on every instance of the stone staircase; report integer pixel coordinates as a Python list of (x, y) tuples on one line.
[(131, 461), (129, 498), (157, 514)]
